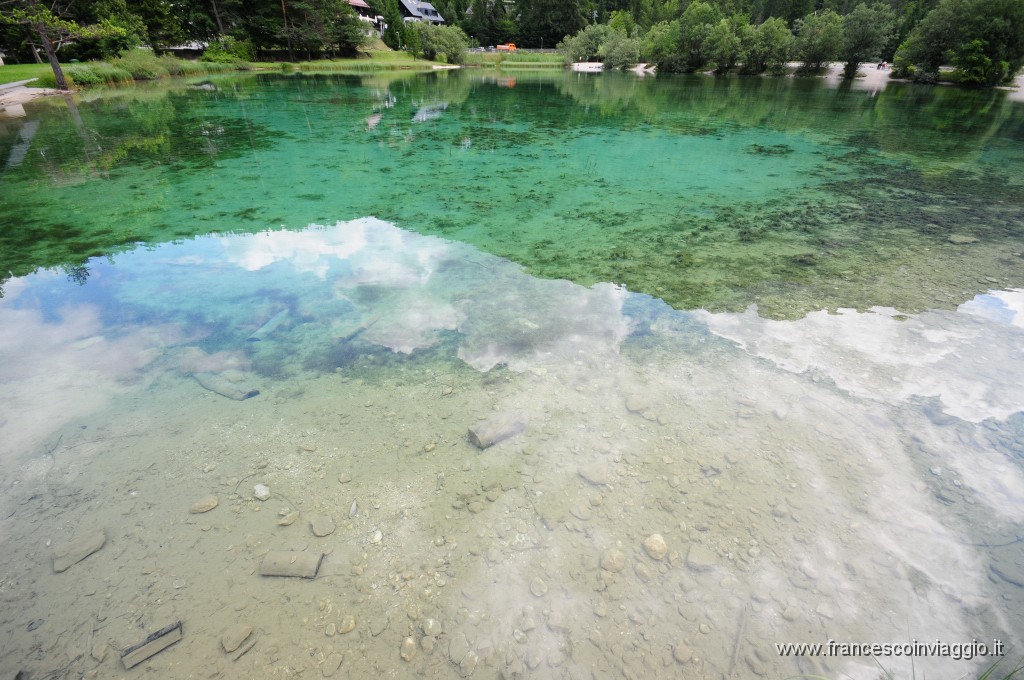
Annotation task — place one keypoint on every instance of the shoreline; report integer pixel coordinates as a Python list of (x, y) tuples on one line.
[(21, 94), (15, 95)]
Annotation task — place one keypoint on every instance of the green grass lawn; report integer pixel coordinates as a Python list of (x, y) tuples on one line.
[(375, 60), (515, 60), (14, 72)]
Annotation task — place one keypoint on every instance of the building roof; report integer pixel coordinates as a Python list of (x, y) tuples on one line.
[(422, 10), (359, 3)]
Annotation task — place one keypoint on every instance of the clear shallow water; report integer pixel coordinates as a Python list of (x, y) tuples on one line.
[(852, 475)]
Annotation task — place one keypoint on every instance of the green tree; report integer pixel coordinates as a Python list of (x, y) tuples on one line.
[(865, 32), (489, 23), (394, 34), (660, 46), (451, 42), (767, 47), (623, 22), (412, 41), (725, 42), (818, 37), (127, 29), (788, 10), (983, 39), (163, 22), (585, 45), (696, 25), (619, 51), (50, 24)]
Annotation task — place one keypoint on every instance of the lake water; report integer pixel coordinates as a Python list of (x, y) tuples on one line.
[(775, 323)]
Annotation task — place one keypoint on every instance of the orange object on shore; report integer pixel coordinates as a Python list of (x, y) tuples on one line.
[(509, 47)]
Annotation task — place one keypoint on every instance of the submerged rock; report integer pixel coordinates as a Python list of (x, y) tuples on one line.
[(408, 649), (322, 525), (961, 239), (613, 560), (655, 547)]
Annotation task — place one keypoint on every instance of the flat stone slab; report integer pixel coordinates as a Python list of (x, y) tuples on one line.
[(496, 428), (78, 549), (291, 563), (598, 474), (235, 636), (700, 558), (322, 525)]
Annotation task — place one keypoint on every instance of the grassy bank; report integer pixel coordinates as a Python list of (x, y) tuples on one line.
[(144, 65), (11, 73), (382, 60), (515, 60)]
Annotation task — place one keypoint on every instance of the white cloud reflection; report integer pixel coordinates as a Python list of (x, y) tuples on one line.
[(812, 500), (971, 362), (410, 287)]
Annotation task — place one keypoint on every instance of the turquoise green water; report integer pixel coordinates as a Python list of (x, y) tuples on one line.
[(706, 193), (777, 325)]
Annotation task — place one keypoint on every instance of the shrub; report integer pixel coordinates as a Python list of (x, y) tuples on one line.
[(142, 64), (585, 45), (96, 73), (435, 41), (84, 75), (49, 80), (228, 50), (619, 52)]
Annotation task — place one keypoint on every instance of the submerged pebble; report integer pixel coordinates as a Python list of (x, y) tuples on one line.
[(204, 505)]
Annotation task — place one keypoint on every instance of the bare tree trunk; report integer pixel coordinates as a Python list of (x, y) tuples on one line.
[(35, 53), (216, 15), (287, 33), (51, 54)]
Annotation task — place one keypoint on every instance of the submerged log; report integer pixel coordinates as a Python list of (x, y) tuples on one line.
[(224, 387), (155, 643), (270, 326), (496, 428)]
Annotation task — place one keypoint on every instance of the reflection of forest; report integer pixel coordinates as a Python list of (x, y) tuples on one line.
[(167, 161), (902, 118)]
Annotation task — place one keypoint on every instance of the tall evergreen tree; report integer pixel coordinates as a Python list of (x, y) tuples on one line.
[(546, 22)]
